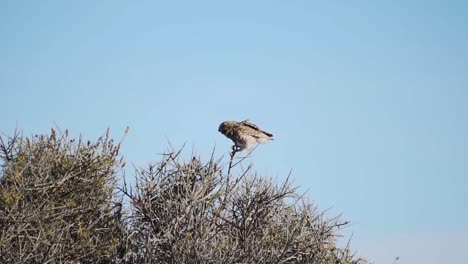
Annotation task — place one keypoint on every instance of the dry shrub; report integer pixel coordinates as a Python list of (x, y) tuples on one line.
[(60, 203), (57, 199), (194, 212)]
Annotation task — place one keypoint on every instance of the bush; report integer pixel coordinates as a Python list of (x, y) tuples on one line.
[(60, 202)]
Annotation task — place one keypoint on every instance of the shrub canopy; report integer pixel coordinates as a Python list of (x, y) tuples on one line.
[(61, 202)]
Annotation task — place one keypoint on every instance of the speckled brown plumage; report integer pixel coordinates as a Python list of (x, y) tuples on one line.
[(244, 134)]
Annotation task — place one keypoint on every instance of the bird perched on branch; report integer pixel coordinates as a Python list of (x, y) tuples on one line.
[(244, 134)]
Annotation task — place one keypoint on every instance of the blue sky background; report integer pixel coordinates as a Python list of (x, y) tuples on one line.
[(368, 100)]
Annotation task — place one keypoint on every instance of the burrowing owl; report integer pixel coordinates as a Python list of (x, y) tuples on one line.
[(244, 134)]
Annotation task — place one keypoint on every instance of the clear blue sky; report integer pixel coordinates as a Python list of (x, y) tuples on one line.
[(368, 100)]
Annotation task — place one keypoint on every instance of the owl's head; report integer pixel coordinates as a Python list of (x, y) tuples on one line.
[(222, 127), (226, 126)]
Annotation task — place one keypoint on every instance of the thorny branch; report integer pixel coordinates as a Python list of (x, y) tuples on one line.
[(60, 202)]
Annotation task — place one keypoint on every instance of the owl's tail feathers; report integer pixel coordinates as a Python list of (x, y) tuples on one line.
[(264, 140)]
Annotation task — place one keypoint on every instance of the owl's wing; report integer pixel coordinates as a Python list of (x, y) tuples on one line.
[(254, 127)]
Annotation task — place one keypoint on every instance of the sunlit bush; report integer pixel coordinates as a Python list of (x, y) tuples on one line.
[(58, 200), (61, 202), (194, 212)]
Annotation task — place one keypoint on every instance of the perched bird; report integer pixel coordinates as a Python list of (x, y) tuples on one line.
[(244, 134)]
